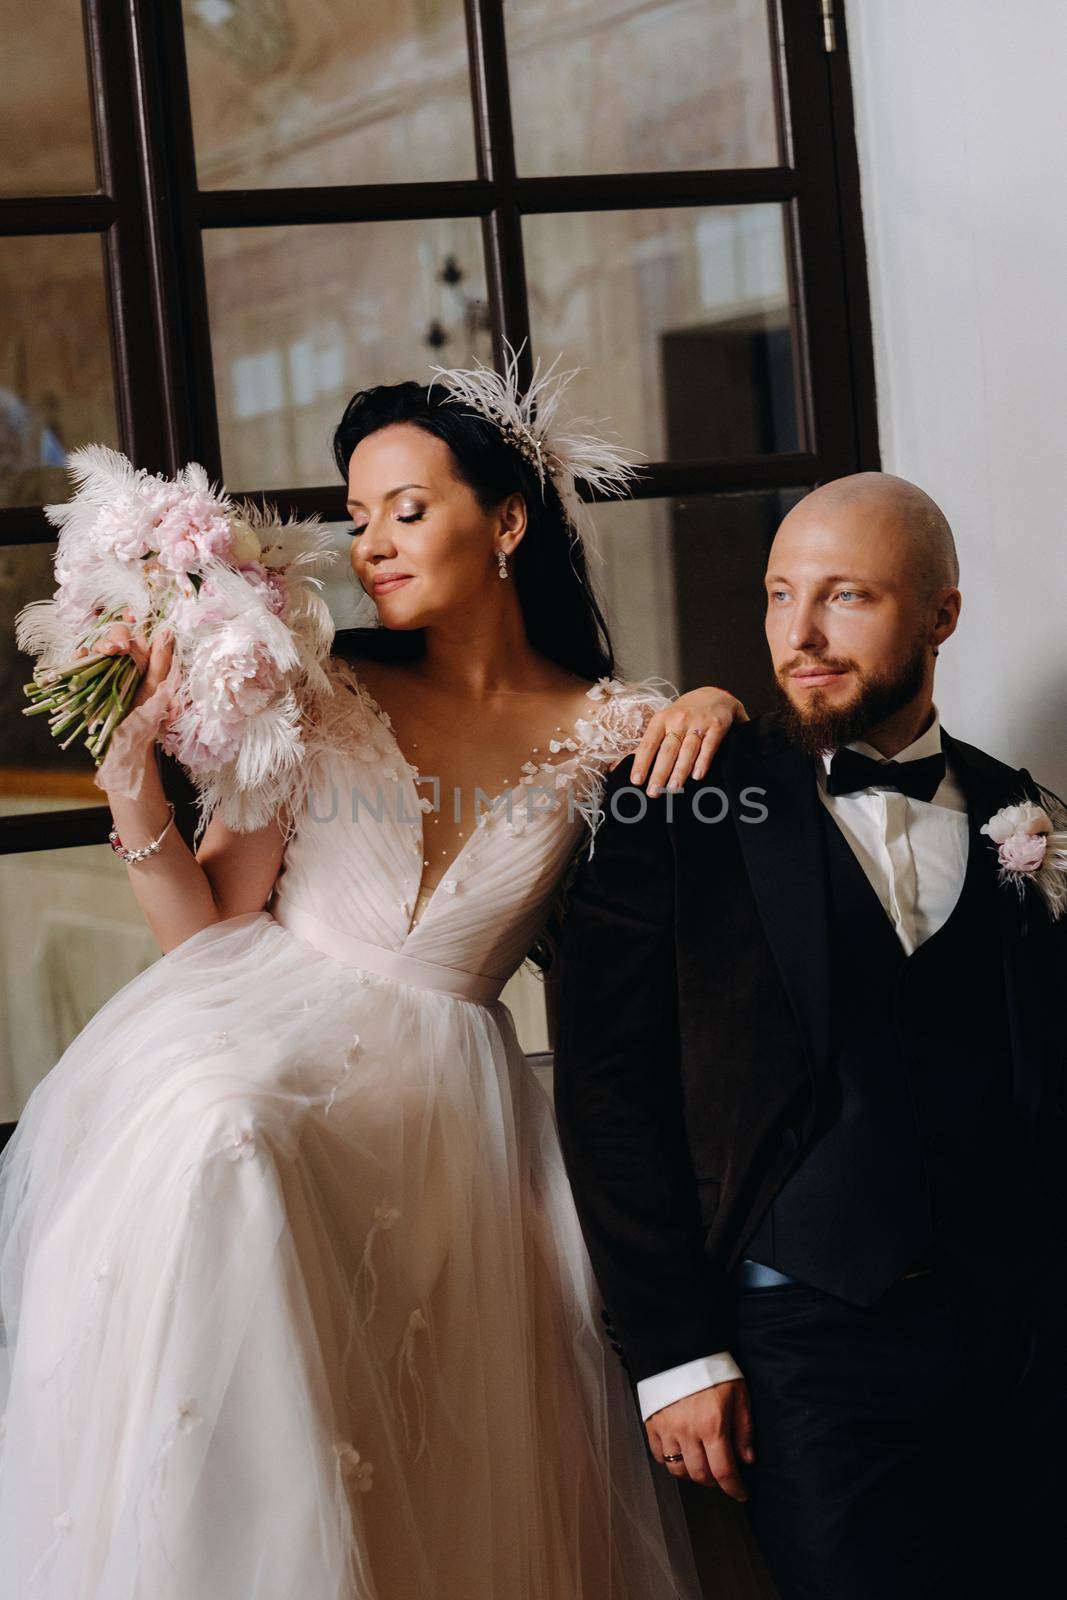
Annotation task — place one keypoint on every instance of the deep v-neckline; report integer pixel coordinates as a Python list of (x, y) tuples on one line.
[(596, 697)]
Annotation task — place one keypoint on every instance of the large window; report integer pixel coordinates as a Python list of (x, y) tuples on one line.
[(219, 217)]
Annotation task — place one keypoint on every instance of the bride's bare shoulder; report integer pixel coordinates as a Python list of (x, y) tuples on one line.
[(357, 656)]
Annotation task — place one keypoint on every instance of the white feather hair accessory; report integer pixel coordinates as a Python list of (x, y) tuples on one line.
[(568, 451)]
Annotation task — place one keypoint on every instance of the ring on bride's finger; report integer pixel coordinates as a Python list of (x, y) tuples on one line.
[(673, 1458)]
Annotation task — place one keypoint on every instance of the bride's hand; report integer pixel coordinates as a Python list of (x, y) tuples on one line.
[(152, 660), (681, 740)]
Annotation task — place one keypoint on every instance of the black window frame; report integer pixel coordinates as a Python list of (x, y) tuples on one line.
[(152, 215)]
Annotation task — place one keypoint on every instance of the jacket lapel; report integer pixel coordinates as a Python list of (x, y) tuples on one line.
[(1035, 1016), (784, 859)]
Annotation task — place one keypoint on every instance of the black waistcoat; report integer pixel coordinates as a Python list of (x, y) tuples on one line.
[(918, 1147)]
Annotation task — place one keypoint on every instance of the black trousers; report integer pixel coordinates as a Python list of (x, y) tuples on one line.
[(913, 1450)]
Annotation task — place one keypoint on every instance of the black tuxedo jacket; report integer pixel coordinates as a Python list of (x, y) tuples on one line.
[(693, 1026)]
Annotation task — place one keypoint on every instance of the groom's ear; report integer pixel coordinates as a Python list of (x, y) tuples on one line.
[(948, 603)]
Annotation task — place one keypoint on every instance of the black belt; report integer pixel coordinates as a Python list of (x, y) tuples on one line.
[(751, 1274)]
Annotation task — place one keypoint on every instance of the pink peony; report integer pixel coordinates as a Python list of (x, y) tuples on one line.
[(192, 531), (1023, 852), (206, 608), (269, 585), (202, 743)]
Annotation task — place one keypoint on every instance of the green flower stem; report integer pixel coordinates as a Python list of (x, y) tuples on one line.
[(85, 699), (122, 693), (93, 704), (92, 692)]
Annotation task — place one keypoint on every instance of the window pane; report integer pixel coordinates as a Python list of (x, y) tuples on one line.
[(286, 94), (56, 384), (682, 318), (301, 318), (682, 586), (46, 135), (71, 934), (609, 86)]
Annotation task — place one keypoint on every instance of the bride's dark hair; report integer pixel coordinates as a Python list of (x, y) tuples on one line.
[(562, 617)]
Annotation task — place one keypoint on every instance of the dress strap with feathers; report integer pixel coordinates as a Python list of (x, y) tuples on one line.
[(614, 729)]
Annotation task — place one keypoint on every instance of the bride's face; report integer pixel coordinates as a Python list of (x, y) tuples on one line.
[(423, 548)]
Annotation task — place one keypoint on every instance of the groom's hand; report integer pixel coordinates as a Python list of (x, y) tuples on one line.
[(712, 1431)]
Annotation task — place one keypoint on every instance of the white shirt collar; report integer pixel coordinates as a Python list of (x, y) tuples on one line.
[(927, 744)]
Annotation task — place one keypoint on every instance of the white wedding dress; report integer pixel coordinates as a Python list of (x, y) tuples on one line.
[(295, 1301)]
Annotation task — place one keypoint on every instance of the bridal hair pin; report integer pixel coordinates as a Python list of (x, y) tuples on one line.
[(530, 422)]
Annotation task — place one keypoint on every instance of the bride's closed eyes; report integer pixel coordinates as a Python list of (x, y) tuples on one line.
[(412, 516)]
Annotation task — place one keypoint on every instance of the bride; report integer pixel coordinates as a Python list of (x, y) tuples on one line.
[(295, 1300)]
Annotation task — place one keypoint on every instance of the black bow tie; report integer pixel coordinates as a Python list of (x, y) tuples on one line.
[(851, 770)]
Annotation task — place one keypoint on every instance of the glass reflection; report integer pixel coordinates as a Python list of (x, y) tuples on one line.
[(46, 131), (286, 94), (613, 86), (683, 320), (301, 318), (56, 384)]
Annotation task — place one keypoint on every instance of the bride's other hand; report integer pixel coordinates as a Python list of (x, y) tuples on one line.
[(681, 740)]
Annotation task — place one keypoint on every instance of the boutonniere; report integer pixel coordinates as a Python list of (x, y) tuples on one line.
[(1031, 845)]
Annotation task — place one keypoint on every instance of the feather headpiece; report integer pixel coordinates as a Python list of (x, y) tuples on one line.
[(568, 451)]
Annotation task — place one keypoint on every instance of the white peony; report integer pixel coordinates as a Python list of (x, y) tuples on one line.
[(1025, 818)]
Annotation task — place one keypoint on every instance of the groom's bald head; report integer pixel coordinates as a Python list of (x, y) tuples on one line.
[(899, 514)]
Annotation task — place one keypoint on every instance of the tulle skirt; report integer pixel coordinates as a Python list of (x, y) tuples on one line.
[(296, 1307)]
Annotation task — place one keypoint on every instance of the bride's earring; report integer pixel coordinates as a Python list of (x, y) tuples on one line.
[(502, 563)]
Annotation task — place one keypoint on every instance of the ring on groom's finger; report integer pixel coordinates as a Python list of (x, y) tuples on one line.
[(673, 1458)]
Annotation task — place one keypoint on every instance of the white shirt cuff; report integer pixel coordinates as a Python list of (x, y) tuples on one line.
[(664, 1388)]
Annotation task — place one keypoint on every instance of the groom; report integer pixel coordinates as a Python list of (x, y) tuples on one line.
[(810, 1087)]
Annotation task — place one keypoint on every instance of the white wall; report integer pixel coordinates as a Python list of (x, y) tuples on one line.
[(962, 128)]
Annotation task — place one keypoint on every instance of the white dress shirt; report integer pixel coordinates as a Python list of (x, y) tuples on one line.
[(914, 853)]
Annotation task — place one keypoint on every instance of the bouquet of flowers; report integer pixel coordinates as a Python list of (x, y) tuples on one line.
[(139, 554)]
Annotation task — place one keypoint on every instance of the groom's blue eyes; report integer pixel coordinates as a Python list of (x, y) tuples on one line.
[(838, 594)]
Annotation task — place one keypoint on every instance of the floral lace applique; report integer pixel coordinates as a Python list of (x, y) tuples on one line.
[(354, 1469), (242, 1145), (189, 1416)]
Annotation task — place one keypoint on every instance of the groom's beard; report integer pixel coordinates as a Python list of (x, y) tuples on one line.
[(820, 726)]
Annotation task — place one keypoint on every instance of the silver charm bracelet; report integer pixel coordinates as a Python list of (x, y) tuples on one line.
[(146, 850)]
